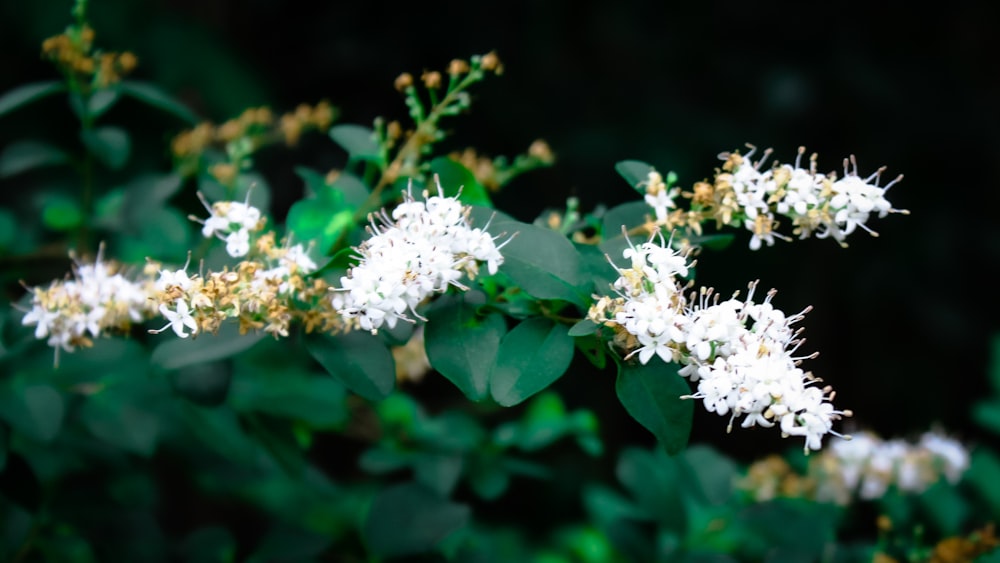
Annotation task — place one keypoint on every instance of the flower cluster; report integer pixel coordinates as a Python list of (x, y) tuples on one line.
[(98, 299), (233, 222), (865, 468), (740, 353), (744, 194), (262, 293), (421, 249)]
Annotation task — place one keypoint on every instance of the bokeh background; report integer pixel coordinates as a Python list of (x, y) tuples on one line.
[(902, 321)]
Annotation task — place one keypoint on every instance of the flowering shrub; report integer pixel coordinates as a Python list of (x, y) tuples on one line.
[(241, 354)]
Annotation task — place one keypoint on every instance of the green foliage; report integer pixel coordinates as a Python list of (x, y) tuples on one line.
[(247, 442)]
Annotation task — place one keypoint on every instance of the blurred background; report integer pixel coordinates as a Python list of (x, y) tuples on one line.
[(902, 321)]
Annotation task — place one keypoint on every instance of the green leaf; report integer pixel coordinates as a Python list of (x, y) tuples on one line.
[(314, 399), (987, 414), (176, 353), (651, 394), (358, 360), (309, 219), (153, 95), (111, 145), (605, 505), (462, 345), (101, 101), (205, 384), (542, 262), (531, 357), (457, 179), (713, 472), (982, 474), (358, 141), (23, 95), (630, 214), (635, 172), (61, 213), (583, 328), (33, 409), (653, 480), (120, 415), (146, 195), (409, 519), (23, 156)]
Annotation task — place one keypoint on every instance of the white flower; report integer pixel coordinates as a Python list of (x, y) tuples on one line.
[(422, 248), (178, 319)]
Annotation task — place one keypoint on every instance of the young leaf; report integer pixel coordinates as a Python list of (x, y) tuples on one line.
[(357, 359), (28, 93), (531, 357), (111, 145), (359, 142), (652, 393), (462, 345), (153, 95), (23, 156), (635, 172), (409, 519), (101, 101), (455, 177)]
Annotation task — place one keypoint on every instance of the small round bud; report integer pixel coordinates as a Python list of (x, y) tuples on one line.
[(403, 81), (458, 66), (432, 79)]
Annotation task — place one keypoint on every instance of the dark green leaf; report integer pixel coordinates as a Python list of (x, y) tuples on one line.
[(462, 345), (175, 353), (654, 482), (792, 527), (583, 328), (314, 399), (146, 195), (531, 357), (542, 262), (101, 101), (635, 172), (153, 95), (652, 393), (358, 360), (61, 213), (111, 145), (987, 414), (205, 384), (487, 476), (982, 475), (23, 156), (605, 505), (713, 472), (457, 179), (358, 141), (33, 409), (438, 472), (28, 93), (119, 416), (628, 215), (597, 270), (409, 519)]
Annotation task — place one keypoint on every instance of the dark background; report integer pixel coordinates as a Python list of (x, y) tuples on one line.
[(902, 321)]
